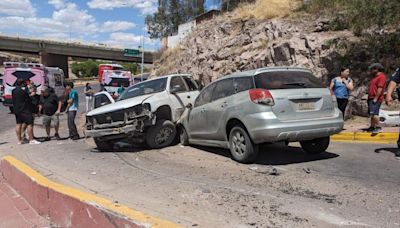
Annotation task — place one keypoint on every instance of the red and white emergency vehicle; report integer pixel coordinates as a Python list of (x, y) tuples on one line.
[(34, 73), (114, 79)]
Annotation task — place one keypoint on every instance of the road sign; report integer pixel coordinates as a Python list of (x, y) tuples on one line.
[(131, 53)]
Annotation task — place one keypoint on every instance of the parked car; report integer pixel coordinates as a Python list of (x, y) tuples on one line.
[(145, 112), (389, 118), (267, 105)]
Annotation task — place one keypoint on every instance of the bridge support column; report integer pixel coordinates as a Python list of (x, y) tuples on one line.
[(53, 60)]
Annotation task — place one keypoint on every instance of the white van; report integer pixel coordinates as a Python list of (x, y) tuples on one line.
[(55, 76)]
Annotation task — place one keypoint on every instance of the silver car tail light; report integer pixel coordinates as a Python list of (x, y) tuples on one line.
[(261, 96)]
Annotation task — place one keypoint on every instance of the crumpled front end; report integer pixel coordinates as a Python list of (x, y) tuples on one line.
[(129, 121)]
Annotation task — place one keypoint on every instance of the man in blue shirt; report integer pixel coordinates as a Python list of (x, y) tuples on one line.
[(72, 109)]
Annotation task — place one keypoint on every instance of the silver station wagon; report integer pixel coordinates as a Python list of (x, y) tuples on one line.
[(267, 105)]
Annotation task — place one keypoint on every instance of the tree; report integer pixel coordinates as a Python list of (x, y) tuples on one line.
[(174, 17), (132, 67), (157, 24), (170, 14), (85, 69)]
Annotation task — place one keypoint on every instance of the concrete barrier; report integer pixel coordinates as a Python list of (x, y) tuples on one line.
[(383, 138), (69, 207)]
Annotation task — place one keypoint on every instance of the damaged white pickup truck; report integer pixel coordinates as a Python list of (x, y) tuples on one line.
[(145, 112)]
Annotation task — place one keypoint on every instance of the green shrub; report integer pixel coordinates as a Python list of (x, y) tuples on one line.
[(358, 14)]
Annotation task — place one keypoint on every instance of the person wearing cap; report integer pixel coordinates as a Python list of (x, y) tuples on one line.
[(51, 107), (375, 95), (394, 82)]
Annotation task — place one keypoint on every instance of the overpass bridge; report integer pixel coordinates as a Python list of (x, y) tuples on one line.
[(53, 53)]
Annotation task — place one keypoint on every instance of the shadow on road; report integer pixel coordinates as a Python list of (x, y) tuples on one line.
[(276, 154), (390, 149)]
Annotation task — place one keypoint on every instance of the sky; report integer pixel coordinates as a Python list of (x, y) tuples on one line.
[(116, 23)]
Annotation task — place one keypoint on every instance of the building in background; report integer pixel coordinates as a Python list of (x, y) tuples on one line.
[(185, 29)]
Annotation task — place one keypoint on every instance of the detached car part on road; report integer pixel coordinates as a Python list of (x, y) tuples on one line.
[(146, 112), (267, 105)]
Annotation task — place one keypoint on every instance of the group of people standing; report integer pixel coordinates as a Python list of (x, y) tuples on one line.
[(342, 85), (28, 103)]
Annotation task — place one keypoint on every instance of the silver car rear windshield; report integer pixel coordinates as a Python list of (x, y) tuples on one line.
[(287, 80), (147, 87)]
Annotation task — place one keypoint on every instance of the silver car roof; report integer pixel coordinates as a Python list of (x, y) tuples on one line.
[(263, 70)]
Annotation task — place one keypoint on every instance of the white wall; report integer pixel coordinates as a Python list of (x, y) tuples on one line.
[(183, 31)]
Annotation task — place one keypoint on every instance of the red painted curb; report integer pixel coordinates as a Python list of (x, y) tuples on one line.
[(62, 209)]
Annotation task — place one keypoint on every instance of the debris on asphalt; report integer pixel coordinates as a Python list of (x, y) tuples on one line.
[(265, 170), (93, 173), (253, 168), (205, 190), (274, 172), (307, 170)]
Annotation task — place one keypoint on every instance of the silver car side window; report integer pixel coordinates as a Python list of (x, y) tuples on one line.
[(223, 88), (243, 84), (205, 96)]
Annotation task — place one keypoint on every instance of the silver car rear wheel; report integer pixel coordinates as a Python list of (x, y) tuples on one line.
[(242, 148)]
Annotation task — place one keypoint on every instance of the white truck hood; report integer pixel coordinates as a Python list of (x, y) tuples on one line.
[(119, 105)]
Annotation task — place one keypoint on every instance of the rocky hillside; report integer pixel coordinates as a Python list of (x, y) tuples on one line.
[(226, 45)]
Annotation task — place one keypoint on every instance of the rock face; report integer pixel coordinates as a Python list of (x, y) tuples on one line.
[(225, 45)]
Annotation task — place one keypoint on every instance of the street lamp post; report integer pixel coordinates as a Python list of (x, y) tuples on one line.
[(141, 48)]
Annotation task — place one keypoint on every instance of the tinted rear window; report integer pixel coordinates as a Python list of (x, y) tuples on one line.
[(287, 80), (26, 75)]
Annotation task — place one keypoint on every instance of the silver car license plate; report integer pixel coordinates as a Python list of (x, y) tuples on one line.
[(306, 106)]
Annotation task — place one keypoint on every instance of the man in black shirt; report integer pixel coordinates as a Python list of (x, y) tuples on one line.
[(51, 107), (22, 104), (394, 81)]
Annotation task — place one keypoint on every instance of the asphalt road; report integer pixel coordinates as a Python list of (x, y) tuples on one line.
[(356, 185)]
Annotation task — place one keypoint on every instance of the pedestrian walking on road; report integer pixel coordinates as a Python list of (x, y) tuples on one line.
[(376, 95), (394, 82), (72, 109), (341, 87), (22, 104), (88, 96), (51, 107)]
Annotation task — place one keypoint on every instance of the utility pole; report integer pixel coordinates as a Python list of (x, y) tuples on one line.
[(141, 48), (141, 71)]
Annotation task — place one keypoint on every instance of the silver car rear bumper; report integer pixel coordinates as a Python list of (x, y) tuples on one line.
[(273, 130)]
